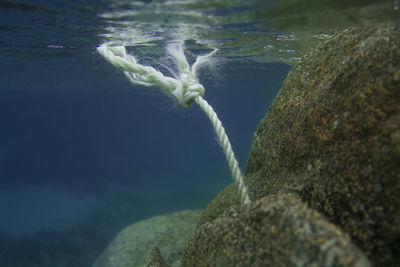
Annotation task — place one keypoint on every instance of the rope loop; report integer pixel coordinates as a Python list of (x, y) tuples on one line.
[(182, 89)]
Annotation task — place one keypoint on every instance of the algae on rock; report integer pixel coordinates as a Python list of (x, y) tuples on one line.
[(160, 237), (278, 230), (332, 139)]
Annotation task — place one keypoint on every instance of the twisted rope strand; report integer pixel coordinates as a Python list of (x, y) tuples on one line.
[(227, 148), (184, 90)]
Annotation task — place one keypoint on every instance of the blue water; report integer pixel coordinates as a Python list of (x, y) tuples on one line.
[(83, 153)]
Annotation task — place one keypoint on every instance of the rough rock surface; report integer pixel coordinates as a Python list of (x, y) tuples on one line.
[(153, 258), (277, 230), (332, 139), (135, 245)]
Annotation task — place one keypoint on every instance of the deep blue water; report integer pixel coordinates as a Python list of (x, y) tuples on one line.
[(84, 153)]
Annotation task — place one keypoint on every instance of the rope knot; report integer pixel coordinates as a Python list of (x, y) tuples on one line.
[(183, 89), (187, 90)]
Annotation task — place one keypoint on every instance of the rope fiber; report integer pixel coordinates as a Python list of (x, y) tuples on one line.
[(184, 89)]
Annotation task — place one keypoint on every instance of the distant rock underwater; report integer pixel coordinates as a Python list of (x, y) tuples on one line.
[(323, 171)]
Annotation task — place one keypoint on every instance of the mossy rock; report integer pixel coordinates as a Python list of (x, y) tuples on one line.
[(332, 138), (278, 230), (157, 241)]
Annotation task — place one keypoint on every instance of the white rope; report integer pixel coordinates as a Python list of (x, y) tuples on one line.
[(184, 90), (226, 146)]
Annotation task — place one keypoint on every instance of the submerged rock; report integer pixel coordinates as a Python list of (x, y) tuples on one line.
[(332, 139), (277, 230), (157, 241), (153, 258)]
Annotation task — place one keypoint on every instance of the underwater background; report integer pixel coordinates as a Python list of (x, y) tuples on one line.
[(84, 153)]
